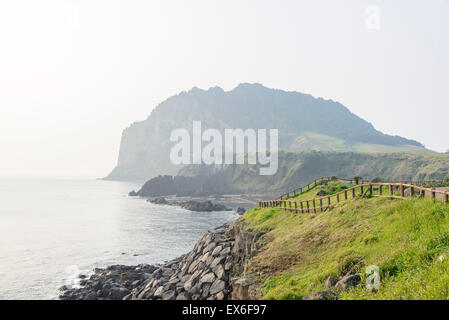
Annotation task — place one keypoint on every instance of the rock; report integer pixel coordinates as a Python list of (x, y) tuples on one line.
[(128, 297), (202, 273), (159, 200), (330, 282), (241, 288), (167, 273), (219, 272), (217, 261), (220, 296), (205, 290), (91, 296), (207, 278), (133, 194), (216, 251), (322, 193), (241, 210), (182, 296), (322, 295), (169, 295), (159, 291), (347, 282), (209, 247), (118, 293), (202, 206), (226, 251), (228, 266), (196, 289), (217, 286)]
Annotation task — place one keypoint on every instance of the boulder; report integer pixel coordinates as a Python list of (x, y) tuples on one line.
[(216, 251), (241, 210), (207, 278), (322, 295), (219, 272), (182, 296), (217, 261), (159, 200), (118, 293), (348, 282), (168, 295), (217, 286), (330, 282), (91, 296), (159, 291), (322, 193)]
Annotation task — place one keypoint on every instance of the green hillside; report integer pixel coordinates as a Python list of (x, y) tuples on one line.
[(304, 123), (407, 239), (298, 168)]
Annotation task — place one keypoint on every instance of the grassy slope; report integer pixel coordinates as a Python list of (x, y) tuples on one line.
[(405, 238), (299, 168)]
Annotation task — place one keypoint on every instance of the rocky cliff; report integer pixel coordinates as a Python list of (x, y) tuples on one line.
[(214, 270), (305, 123)]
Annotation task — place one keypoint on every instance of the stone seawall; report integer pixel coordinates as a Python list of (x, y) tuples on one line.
[(212, 270)]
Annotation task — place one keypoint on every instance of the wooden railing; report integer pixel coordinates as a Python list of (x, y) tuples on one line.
[(393, 191), (313, 184)]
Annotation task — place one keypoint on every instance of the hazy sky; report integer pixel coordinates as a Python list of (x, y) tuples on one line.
[(74, 74)]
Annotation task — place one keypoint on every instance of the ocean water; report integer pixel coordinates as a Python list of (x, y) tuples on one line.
[(52, 229)]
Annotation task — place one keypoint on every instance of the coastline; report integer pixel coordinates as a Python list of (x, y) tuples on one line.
[(203, 273)]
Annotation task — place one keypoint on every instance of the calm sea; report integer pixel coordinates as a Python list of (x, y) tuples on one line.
[(53, 228)]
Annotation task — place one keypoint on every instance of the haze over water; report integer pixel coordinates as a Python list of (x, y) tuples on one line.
[(47, 226)]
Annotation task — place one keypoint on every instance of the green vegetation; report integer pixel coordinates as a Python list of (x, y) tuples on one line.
[(299, 168), (407, 239)]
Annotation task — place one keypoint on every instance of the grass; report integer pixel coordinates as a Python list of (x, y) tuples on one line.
[(407, 239)]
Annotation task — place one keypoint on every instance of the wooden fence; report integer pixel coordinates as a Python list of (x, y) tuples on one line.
[(311, 185), (393, 191)]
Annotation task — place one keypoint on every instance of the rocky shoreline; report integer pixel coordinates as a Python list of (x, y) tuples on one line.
[(217, 268), (192, 205), (202, 274)]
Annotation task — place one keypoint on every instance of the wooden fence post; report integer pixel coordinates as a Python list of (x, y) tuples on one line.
[(422, 193), (314, 210), (338, 197), (290, 205), (302, 207), (391, 191), (446, 198), (308, 207), (321, 204), (361, 189), (433, 194), (412, 191), (380, 189), (346, 195), (401, 189), (329, 200), (296, 207), (353, 192)]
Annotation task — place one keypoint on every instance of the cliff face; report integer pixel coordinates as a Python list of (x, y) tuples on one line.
[(304, 123), (200, 185)]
